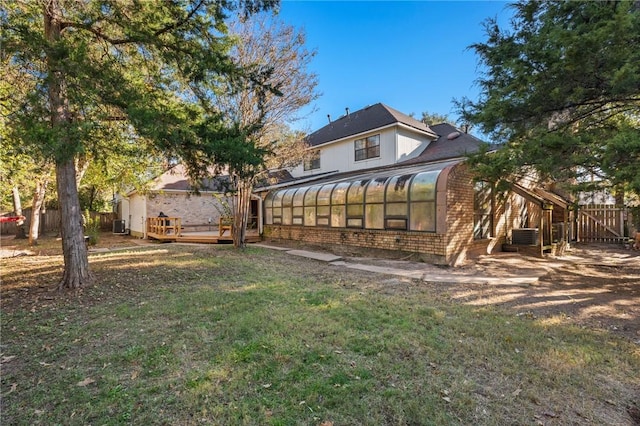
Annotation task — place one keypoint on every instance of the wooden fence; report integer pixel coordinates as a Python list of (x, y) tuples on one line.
[(603, 223), (50, 221)]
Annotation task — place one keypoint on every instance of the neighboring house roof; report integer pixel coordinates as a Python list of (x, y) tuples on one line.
[(275, 177), (369, 118), (177, 179), (451, 143)]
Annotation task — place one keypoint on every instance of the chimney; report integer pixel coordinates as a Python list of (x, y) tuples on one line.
[(347, 109), (329, 118)]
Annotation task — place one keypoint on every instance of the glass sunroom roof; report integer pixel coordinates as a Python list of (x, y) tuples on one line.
[(382, 173), (398, 198)]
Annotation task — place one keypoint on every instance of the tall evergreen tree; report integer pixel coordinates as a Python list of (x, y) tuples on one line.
[(153, 65), (561, 91)]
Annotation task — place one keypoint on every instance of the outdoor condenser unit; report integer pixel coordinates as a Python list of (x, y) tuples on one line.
[(119, 227), (525, 236)]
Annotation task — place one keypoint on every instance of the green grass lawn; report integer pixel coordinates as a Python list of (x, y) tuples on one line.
[(179, 335)]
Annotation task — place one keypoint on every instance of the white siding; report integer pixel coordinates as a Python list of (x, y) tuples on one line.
[(340, 156), (409, 145), (137, 215)]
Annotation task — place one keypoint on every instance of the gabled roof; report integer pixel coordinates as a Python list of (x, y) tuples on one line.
[(177, 179), (369, 118), (451, 143)]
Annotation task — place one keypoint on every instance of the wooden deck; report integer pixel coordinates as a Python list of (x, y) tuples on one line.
[(169, 229)]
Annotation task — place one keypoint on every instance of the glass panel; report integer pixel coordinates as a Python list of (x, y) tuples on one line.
[(298, 211), (423, 216), (396, 223), (324, 196), (268, 201), (298, 198), (286, 215), (268, 216), (309, 216), (310, 196), (397, 209), (374, 216), (423, 187), (355, 210), (339, 195), (297, 221), (277, 198), (398, 188), (354, 223), (277, 220), (287, 199), (323, 210), (338, 217), (375, 191), (323, 221), (356, 191), (277, 212)]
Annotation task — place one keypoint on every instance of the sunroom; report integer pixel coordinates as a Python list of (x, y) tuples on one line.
[(397, 208)]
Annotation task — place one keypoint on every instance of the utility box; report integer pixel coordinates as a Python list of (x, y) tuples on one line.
[(119, 227), (525, 236)]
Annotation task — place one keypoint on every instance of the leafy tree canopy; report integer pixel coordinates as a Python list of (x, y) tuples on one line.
[(156, 67), (561, 91)]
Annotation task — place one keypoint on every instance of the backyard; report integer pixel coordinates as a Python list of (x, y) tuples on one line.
[(204, 334)]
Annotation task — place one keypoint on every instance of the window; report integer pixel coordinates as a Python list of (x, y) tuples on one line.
[(482, 210), (374, 204), (396, 202), (422, 210), (367, 148), (312, 162)]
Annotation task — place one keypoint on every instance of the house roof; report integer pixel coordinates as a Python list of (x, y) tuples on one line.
[(363, 120), (451, 143), (275, 177), (177, 179)]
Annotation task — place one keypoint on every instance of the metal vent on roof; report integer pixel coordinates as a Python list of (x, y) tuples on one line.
[(451, 136)]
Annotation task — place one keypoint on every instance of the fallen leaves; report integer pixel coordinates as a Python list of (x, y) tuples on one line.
[(6, 359), (85, 382)]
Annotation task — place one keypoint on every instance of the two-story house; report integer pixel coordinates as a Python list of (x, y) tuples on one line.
[(378, 178), (374, 136)]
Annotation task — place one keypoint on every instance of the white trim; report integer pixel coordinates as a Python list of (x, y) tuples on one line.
[(377, 129)]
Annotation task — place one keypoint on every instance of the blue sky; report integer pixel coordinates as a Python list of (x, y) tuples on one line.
[(409, 55)]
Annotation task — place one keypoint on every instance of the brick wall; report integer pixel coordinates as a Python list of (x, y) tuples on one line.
[(192, 209), (431, 246)]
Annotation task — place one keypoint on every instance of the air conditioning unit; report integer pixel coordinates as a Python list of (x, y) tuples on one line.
[(525, 236), (119, 227)]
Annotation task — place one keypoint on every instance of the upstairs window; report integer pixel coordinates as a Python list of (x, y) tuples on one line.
[(312, 162), (367, 148)]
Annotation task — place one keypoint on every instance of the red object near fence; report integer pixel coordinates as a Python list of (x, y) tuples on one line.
[(11, 218)]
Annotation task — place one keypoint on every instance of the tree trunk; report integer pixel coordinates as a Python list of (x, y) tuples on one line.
[(17, 208), (38, 200), (244, 188), (76, 263)]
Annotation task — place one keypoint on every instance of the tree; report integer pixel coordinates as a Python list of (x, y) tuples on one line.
[(430, 118), (150, 65), (276, 51), (561, 92)]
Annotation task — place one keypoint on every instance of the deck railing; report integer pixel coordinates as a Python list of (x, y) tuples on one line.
[(164, 226)]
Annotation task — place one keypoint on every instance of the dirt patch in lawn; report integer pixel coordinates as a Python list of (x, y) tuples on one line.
[(591, 285), (596, 286)]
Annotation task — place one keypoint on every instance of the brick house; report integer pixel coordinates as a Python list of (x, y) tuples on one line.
[(377, 178), (172, 194)]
